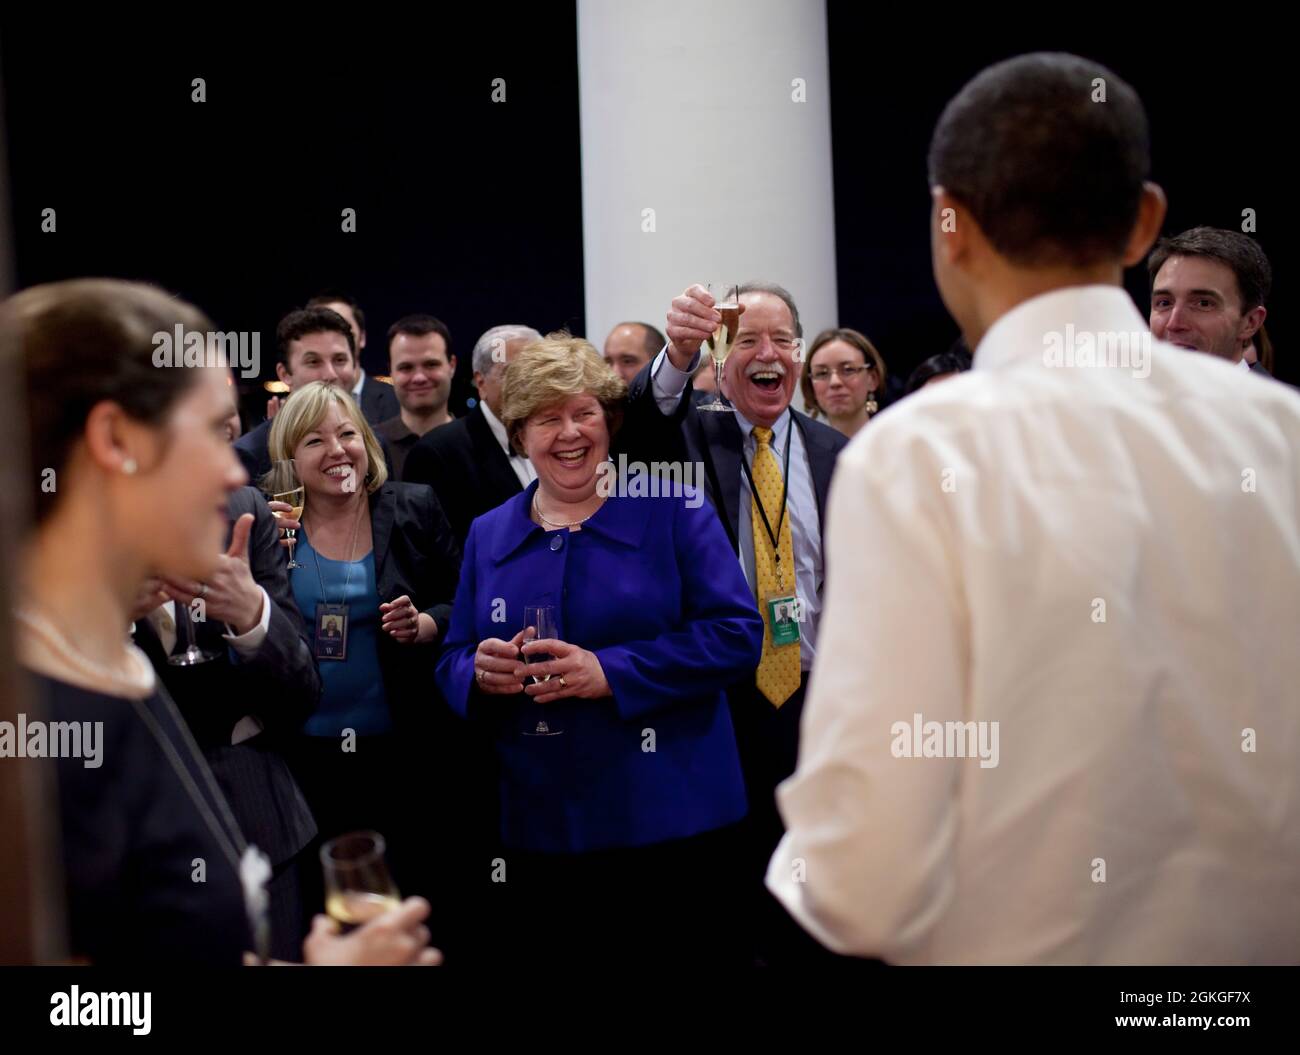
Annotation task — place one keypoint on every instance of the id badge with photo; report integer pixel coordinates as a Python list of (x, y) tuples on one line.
[(783, 618), (331, 632)]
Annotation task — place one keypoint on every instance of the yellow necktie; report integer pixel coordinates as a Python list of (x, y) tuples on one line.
[(778, 670)]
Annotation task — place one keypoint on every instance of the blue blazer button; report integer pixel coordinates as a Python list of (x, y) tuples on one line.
[(556, 543)]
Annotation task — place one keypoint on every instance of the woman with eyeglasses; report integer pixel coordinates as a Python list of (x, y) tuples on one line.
[(841, 376)]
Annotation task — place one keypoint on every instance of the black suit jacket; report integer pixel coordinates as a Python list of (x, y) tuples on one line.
[(466, 468), (417, 555), (279, 685), (715, 440), (254, 454), (378, 401)]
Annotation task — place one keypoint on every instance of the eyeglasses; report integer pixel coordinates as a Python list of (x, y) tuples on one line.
[(847, 373), (748, 341)]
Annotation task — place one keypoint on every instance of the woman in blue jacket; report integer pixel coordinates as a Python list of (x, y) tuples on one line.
[(618, 827)]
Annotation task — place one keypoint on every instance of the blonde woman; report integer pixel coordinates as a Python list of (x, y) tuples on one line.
[(377, 572)]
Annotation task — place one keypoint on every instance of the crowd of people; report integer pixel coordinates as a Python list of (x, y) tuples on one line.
[(620, 679)]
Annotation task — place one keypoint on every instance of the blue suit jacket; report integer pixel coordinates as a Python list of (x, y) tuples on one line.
[(652, 587)]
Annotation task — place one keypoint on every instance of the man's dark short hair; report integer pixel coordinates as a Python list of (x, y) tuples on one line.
[(334, 296), (654, 340), (302, 321), (1049, 174), (1239, 252), (419, 326)]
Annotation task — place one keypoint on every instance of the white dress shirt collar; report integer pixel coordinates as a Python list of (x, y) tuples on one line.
[(498, 429), (522, 467), (780, 430), (1019, 337), (361, 380)]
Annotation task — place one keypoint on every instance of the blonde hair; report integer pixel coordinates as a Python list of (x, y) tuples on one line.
[(554, 369), (303, 412)]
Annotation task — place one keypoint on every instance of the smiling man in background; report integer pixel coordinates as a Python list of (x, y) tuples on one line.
[(767, 470), (422, 366), (1208, 289)]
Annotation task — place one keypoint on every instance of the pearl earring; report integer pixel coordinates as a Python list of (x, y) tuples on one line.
[(129, 466)]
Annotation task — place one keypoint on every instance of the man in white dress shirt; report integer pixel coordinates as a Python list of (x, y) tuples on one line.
[(1054, 716)]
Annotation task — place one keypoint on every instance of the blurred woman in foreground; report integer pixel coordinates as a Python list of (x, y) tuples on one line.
[(131, 471)]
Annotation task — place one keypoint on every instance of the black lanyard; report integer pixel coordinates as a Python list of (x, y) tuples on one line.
[(785, 493)]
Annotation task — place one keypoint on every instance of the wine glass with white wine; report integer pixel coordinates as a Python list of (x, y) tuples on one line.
[(726, 301), (358, 886), (281, 484), (540, 625)]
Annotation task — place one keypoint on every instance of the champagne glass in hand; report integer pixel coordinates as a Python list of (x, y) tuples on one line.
[(281, 484), (726, 301), (539, 624), (357, 884)]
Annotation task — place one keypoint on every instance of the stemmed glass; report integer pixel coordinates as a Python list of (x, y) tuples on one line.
[(188, 652), (539, 624), (726, 301), (281, 484), (358, 886)]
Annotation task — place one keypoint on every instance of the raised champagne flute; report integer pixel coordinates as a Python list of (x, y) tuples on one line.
[(357, 884), (539, 624), (726, 301), (281, 484)]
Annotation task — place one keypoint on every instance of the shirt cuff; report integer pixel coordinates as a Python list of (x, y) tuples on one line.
[(667, 382), (249, 643)]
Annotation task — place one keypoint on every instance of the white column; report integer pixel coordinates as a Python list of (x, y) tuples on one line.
[(716, 116)]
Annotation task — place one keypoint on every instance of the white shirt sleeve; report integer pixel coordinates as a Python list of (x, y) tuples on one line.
[(247, 644), (667, 382), (866, 864)]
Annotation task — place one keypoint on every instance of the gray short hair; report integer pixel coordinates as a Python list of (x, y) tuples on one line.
[(481, 360), (777, 291)]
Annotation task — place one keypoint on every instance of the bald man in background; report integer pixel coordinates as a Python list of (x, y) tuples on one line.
[(630, 345)]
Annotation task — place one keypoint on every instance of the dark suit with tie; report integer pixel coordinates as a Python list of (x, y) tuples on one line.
[(278, 686), (768, 737), (467, 469), (378, 401)]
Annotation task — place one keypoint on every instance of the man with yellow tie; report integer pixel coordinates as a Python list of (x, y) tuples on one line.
[(767, 471)]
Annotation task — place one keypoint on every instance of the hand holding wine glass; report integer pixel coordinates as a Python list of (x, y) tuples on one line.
[(540, 624), (563, 671), (692, 320), (287, 497), (394, 938), (726, 299)]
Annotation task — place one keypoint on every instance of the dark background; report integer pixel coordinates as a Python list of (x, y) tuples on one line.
[(472, 210), (466, 209), (1219, 98)]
